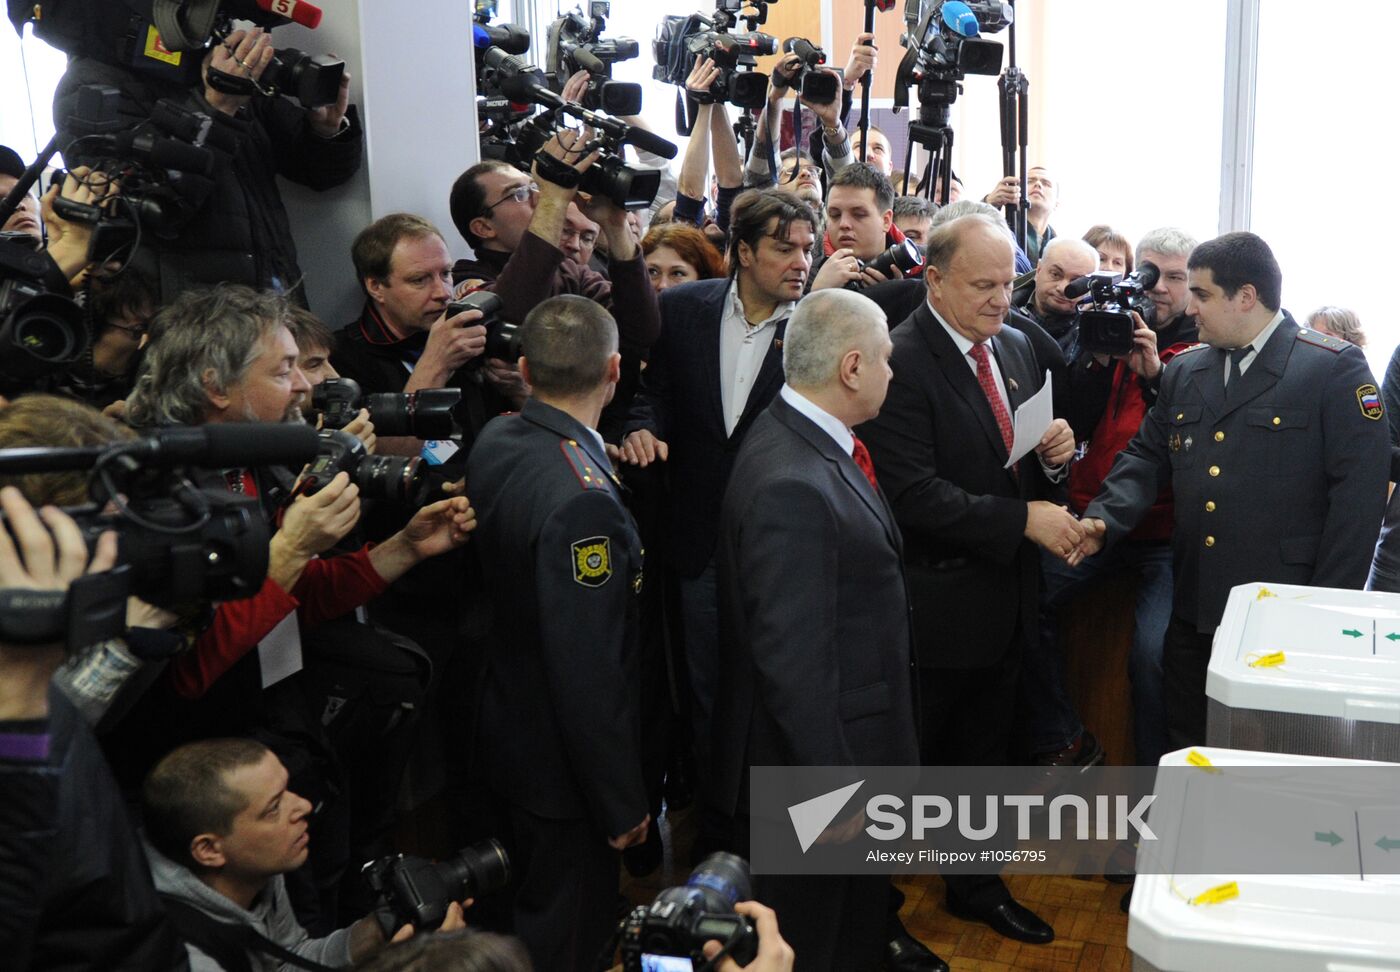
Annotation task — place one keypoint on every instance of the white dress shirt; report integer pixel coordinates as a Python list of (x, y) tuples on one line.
[(742, 348), (1254, 346), (824, 420)]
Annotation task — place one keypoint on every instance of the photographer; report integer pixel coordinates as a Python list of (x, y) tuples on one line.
[(833, 143), (240, 231), (859, 227), (225, 355), (710, 131), (119, 308), (1111, 396), (223, 829), (76, 891), (514, 222), (315, 342), (24, 221), (914, 217), (1045, 302)]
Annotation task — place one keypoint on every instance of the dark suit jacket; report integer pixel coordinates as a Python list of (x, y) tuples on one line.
[(681, 402), (559, 724), (973, 576), (814, 613)]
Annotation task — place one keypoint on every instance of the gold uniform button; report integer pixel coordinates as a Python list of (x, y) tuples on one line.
[(1277, 420), (1220, 437), (1210, 541), (1214, 470), (1180, 416), (1210, 506)]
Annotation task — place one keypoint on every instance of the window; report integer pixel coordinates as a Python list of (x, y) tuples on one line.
[(29, 70)]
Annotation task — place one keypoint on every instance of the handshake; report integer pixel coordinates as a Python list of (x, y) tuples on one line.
[(1063, 534)]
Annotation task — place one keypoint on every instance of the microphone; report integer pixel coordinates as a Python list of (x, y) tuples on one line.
[(1148, 273), (651, 142), (297, 11), (221, 445), (958, 17), (508, 37), (1078, 287), (166, 153)]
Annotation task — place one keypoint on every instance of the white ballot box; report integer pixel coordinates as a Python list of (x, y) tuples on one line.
[(1307, 670), (1186, 919)]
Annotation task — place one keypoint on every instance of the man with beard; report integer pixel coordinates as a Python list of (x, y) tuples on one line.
[(1046, 303)]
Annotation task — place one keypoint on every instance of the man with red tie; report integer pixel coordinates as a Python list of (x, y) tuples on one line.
[(970, 524), (816, 648)]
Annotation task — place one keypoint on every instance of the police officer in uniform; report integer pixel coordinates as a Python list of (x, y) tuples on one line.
[(559, 733), (1274, 441)]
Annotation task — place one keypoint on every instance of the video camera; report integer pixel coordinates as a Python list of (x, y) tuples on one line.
[(177, 543), (681, 920), (810, 82), (1107, 326), (413, 891), (42, 331), (574, 43), (166, 40), (943, 46), (626, 186), (681, 41)]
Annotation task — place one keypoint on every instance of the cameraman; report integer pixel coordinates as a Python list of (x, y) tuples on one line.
[(1111, 396), (710, 130), (514, 222), (225, 355), (240, 231), (223, 829), (74, 890), (1064, 260), (24, 221)]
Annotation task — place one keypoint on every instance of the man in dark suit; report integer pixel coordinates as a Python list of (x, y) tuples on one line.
[(1274, 442), (971, 525), (715, 368), (559, 731), (815, 637)]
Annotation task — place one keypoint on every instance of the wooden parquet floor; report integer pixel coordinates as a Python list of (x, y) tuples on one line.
[(1091, 931)]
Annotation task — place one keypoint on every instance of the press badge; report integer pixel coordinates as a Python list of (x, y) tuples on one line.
[(438, 451)]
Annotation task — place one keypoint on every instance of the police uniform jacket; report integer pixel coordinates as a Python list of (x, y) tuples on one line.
[(559, 721), (1284, 481)]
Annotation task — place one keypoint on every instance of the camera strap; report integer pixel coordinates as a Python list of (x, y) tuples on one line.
[(556, 171), (228, 943), (232, 84)]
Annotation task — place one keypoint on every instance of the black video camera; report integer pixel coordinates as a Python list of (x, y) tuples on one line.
[(573, 44), (1106, 327), (177, 544), (681, 920), (430, 413), (401, 479), (413, 891), (41, 332), (811, 82), (681, 41), (943, 46)]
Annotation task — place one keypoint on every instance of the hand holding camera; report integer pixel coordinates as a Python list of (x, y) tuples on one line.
[(311, 525), (774, 954), (1143, 359), (453, 340), (243, 54)]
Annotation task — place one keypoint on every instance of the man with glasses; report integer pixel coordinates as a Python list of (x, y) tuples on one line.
[(516, 224)]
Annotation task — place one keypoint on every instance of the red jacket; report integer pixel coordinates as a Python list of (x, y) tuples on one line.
[(1126, 409)]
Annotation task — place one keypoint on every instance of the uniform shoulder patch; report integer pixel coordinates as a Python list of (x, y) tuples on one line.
[(579, 461), (1368, 396), (592, 561), (1320, 340), (1198, 346)]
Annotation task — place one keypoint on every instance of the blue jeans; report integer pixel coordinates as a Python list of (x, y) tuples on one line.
[(1051, 721)]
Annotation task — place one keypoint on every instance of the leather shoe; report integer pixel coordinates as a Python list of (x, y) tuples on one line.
[(907, 954), (1009, 918)]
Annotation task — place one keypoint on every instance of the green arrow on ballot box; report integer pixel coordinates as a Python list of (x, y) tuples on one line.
[(1351, 632), (1387, 845), (1329, 838)]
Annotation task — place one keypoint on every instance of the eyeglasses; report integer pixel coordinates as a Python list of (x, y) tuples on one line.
[(519, 194)]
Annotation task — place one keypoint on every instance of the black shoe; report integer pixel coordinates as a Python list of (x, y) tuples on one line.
[(1085, 752), (1126, 901), (1009, 918), (907, 954)]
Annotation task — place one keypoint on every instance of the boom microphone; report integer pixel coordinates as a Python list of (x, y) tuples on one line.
[(1078, 287), (508, 37), (959, 18), (1148, 273), (297, 11), (222, 445)]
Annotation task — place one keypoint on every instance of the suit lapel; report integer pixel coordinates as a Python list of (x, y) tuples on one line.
[(710, 380), (960, 376)]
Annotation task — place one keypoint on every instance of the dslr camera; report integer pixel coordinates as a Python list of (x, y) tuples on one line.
[(413, 891), (900, 260), (574, 43), (430, 413), (810, 81), (669, 933), (401, 479), (1106, 326)]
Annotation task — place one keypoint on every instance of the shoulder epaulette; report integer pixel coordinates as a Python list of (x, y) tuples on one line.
[(1318, 339), (582, 465), (1198, 346)]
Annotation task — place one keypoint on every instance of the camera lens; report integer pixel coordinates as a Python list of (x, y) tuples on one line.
[(479, 869), (392, 478), (722, 879)]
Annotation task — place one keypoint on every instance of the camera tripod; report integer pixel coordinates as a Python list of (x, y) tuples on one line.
[(935, 134), (1013, 88)]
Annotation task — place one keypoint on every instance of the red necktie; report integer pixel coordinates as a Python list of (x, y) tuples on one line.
[(989, 389), (862, 457)]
